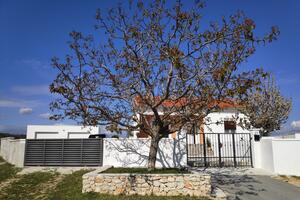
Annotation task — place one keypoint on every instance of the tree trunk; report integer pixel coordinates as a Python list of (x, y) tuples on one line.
[(153, 152)]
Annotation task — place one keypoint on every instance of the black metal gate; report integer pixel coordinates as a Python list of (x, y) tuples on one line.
[(63, 152), (219, 150)]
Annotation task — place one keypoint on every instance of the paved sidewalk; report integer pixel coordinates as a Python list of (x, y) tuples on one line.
[(251, 184)]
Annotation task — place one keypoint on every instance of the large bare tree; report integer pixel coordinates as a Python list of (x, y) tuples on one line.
[(158, 58), (266, 108)]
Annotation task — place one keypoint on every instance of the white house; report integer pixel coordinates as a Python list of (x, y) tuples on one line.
[(60, 131), (223, 121), (216, 140)]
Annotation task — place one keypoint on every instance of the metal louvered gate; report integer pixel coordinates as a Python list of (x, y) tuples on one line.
[(63, 152), (219, 150)]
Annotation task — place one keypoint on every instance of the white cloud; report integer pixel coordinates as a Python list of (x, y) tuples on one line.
[(295, 124), (19, 103), (45, 115), (34, 63), (11, 103), (25, 111), (32, 90)]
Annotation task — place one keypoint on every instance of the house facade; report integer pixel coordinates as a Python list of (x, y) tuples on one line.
[(217, 140), (224, 120)]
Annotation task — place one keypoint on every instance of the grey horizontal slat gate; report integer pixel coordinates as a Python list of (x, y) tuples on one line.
[(63, 152)]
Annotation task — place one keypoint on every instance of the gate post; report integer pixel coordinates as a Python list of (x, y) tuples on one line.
[(234, 153), (25, 150)]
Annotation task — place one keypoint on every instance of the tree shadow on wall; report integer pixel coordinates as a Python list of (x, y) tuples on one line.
[(134, 152)]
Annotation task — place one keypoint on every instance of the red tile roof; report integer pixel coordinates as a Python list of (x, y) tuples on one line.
[(138, 101)]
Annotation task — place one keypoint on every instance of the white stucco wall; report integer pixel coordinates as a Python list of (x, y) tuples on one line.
[(286, 156), (131, 152), (60, 131), (277, 155), (256, 154), (12, 150), (266, 148)]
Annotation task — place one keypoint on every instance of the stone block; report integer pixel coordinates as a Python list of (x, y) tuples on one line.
[(188, 185), (156, 184)]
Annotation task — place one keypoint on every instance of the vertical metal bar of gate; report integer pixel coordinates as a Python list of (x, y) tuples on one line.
[(187, 148), (194, 133), (204, 150), (234, 152), (250, 140), (219, 147)]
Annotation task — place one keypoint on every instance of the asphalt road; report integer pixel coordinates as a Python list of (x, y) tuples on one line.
[(242, 185), (253, 187)]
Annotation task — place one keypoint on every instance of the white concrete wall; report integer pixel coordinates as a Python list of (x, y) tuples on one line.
[(277, 155), (266, 148), (256, 154), (286, 156), (12, 150), (133, 152), (60, 131)]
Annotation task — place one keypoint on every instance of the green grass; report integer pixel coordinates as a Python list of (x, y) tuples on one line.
[(7, 171), (27, 187), (37, 185), (70, 187), (146, 170)]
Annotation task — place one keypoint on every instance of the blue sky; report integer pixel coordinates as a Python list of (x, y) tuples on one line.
[(33, 31)]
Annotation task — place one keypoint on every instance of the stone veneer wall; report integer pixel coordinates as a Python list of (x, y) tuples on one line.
[(148, 184)]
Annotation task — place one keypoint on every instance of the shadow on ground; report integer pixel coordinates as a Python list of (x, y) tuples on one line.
[(230, 182), (240, 185)]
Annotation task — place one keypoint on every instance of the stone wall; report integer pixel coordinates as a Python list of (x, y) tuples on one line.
[(148, 184)]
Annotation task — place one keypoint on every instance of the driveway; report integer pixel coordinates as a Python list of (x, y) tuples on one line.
[(251, 184)]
